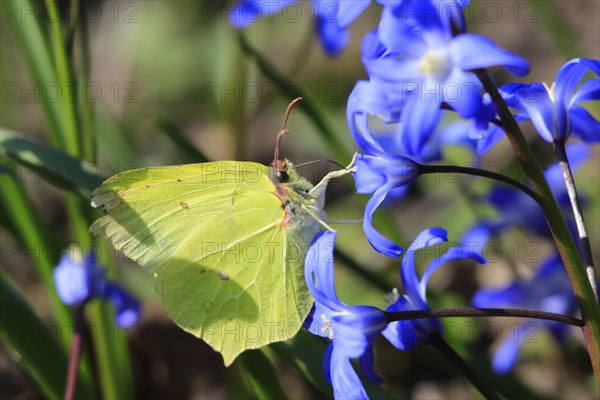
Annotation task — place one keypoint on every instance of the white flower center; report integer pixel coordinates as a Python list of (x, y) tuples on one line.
[(326, 326), (550, 90), (392, 297), (436, 63)]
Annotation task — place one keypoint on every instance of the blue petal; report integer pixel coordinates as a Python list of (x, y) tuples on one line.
[(427, 17), (536, 101), (371, 47), (366, 363), (369, 175), (401, 334), (511, 295), (408, 273), (128, 309), (333, 38), (491, 137), (514, 93), (403, 72), (71, 280), (507, 352), (373, 172), (472, 51), (590, 90), (419, 119), (478, 237), (584, 126), (464, 132), (399, 35), (453, 254), (365, 99), (377, 240), (358, 326), (461, 91), (318, 268), (350, 10), (316, 324), (344, 379), (370, 98), (327, 362), (568, 79)]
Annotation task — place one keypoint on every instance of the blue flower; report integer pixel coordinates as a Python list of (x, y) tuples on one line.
[(378, 174), (549, 290), (351, 329), (405, 335), (78, 282), (350, 10), (333, 37), (555, 111), (368, 99), (416, 58)]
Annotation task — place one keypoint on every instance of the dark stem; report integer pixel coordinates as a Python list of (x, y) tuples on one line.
[(71, 384), (584, 239), (482, 312), (440, 345), (437, 169)]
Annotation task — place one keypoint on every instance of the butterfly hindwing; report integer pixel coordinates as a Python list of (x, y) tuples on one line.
[(236, 289)]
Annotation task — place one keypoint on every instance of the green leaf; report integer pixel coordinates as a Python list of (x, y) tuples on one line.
[(34, 344), (33, 41), (260, 376), (28, 231), (54, 166)]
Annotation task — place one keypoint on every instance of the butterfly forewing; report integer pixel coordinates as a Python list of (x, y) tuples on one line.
[(229, 270)]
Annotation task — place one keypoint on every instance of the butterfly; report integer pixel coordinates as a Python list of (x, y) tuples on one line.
[(225, 242)]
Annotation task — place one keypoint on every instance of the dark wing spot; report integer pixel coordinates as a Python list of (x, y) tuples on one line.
[(147, 186), (223, 276), (179, 180), (184, 205)]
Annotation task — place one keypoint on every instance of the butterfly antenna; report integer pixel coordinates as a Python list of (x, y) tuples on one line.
[(283, 132), (318, 161)]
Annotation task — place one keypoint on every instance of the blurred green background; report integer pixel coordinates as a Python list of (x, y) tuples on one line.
[(162, 68)]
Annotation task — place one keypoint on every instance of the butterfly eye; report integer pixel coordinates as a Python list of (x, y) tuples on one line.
[(282, 176)]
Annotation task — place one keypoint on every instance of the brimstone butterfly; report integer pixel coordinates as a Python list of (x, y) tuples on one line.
[(225, 242)]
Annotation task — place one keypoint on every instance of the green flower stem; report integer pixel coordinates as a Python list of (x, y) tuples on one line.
[(590, 309), (584, 239), (65, 81)]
